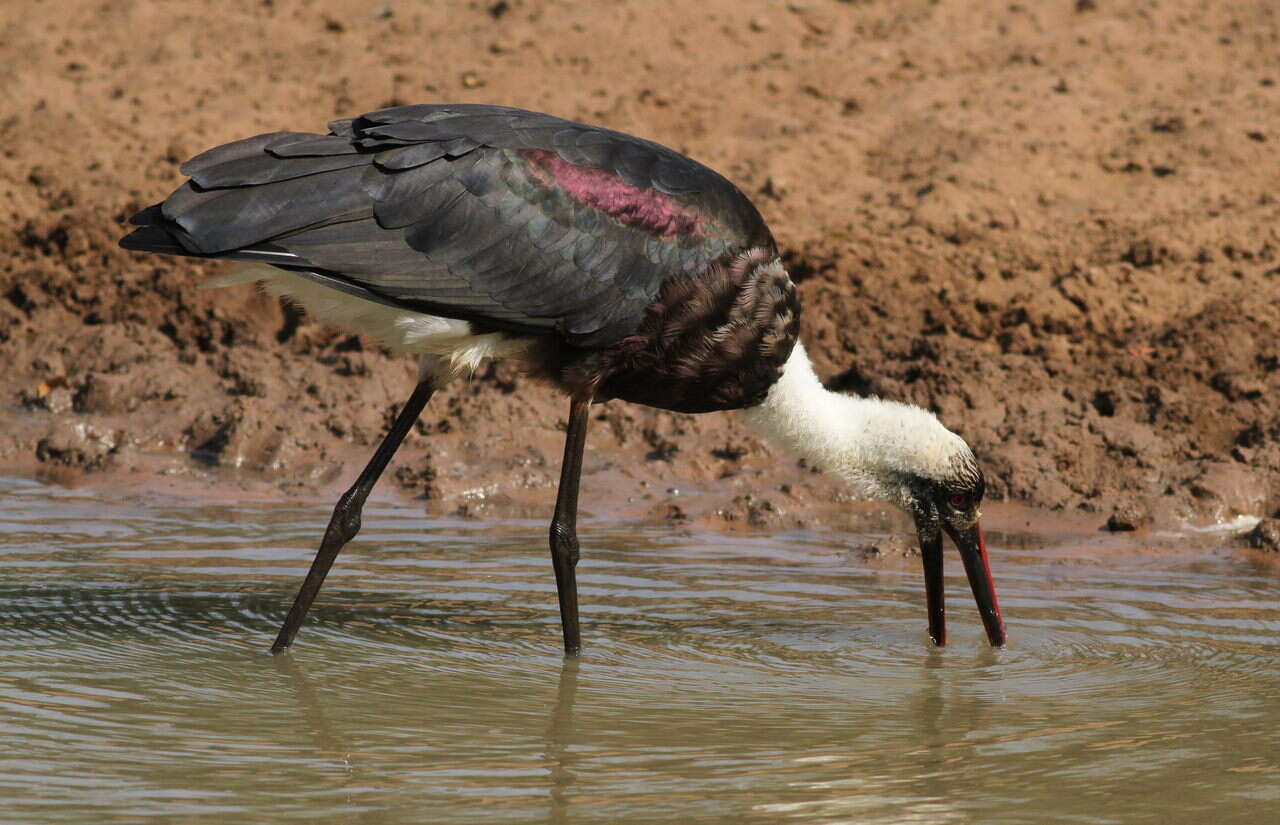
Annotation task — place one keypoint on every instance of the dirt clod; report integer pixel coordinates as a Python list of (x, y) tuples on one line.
[(1265, 536), (890, 547), (1127, 517)]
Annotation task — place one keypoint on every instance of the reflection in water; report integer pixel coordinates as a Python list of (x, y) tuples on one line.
[(325, 738), (753, 680), (559, 730), (560, 736)]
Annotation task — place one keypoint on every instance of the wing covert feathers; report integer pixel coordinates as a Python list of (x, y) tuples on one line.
[(505, 217)]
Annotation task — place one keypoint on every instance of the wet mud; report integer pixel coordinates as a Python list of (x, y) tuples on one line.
[(1055, 224)]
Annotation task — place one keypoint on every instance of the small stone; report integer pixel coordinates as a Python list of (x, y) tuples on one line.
[(106, 394), (1127, 518), (889, 547), (1265, 536), (57, 400), (71, 443)]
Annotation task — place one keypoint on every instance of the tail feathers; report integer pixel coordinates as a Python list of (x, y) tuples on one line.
[(252, 265), (157, 235), (150, 216), (155, 238)]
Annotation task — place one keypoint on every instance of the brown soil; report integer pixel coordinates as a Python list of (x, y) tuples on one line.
[(1056, 223)]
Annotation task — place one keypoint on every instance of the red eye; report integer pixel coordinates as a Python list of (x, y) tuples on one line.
[(959, 502)]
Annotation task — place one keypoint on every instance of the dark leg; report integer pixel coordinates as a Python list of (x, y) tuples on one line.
[(345, 522), (564, 527)]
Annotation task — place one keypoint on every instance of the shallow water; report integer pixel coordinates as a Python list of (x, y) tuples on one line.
[(724, 679)]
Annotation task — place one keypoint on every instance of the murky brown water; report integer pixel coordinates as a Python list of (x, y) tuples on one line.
[(725, 680)]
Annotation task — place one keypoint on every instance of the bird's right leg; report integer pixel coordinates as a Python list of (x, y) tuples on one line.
[(345, 522), (564, 525)]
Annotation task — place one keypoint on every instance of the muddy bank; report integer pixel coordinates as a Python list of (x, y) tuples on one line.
[(1058, 226)]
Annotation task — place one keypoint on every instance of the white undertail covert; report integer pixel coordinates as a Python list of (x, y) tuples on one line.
[(448, 345)]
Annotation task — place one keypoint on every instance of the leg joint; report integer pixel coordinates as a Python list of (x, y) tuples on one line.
[(564, 541), (345, 522)]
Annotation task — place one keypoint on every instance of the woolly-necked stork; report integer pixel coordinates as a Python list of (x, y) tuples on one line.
[(609, 265)]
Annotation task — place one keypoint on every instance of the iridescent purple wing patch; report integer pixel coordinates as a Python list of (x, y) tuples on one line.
[(646, 209)]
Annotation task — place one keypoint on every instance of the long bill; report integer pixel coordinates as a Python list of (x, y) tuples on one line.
[(973, 551)]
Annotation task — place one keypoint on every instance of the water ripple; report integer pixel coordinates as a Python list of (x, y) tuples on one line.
[(748, 679)]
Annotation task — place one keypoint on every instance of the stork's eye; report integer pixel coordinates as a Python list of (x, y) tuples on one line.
[(959, 501)]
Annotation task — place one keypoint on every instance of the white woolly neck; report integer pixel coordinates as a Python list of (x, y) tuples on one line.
[(869, 442)]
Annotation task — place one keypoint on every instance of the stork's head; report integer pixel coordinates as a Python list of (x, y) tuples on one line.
[(930, 472), (947, 499)]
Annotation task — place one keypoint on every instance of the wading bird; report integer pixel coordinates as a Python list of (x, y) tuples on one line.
[(611, 266)]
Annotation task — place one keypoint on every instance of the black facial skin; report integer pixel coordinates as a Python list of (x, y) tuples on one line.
[(954, 501), (959, 500), (951, 506)]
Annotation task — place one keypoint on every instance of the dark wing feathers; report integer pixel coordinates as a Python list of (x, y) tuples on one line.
[(400, 200), (342, 127), (304, 144), (221, 221), (268, 168), (236, 150), (420, 154), (453, 209)]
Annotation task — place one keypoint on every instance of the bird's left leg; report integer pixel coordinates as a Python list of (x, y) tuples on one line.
[(564, 526), (345, 522)]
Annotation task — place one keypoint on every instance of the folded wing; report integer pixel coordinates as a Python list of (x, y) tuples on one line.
[(513, 219)]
